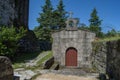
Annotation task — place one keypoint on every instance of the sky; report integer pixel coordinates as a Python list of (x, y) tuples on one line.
[(108, 11)]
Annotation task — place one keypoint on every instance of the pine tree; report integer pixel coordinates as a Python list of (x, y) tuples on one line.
[(45, 21), (112, 33), (61, 15), (95, 23), (45, 17), (50, 20)]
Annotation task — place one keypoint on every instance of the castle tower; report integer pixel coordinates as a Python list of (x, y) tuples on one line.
[(22, 13), (14, 12)]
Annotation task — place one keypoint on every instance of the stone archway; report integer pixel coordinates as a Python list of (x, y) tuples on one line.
[(71, 57)]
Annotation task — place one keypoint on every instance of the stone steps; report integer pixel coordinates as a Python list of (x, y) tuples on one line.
[(55, 66)]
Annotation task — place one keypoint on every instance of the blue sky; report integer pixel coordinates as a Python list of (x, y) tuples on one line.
[(108, 11)]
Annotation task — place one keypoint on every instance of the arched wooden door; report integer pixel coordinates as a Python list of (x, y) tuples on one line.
[(71, 57)]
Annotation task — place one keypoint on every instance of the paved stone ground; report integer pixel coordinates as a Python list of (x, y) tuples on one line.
[(28, 74), (66, 74), (53, 76)]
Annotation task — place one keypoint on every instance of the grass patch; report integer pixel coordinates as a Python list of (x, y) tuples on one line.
[(18, 65), (20, 62), (25, 56), (40, 62), (108, 39), (48, 56)]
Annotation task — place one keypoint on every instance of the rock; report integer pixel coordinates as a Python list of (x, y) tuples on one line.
[(6, 70)]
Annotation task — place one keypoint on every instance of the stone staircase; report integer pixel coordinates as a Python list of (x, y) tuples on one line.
[(55, 66)]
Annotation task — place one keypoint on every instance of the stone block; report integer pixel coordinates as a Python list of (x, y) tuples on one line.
[(6, 70)]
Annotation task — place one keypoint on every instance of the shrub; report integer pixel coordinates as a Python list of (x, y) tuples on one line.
[(9, 37)]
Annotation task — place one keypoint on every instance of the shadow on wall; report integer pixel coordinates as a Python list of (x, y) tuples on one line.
[(30, 43), (45, 45), (106, 58), (113, 59), (27, 55)]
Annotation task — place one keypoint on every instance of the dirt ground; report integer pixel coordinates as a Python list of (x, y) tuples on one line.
[(52, 76)]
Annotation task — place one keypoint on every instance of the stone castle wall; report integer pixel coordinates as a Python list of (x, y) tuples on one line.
[(99, 57), (113, 59), (106, 58), (7, 12), (78, 39), (14, 12)]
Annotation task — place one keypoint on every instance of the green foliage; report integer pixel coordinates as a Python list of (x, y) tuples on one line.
[(94, 18), (112, 33), (43, 34), (8, 40), (46, 21), (50, 20), (61, 18), (83, 27), (108, 39), (95, 23), (45, 17), (110, 36)]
